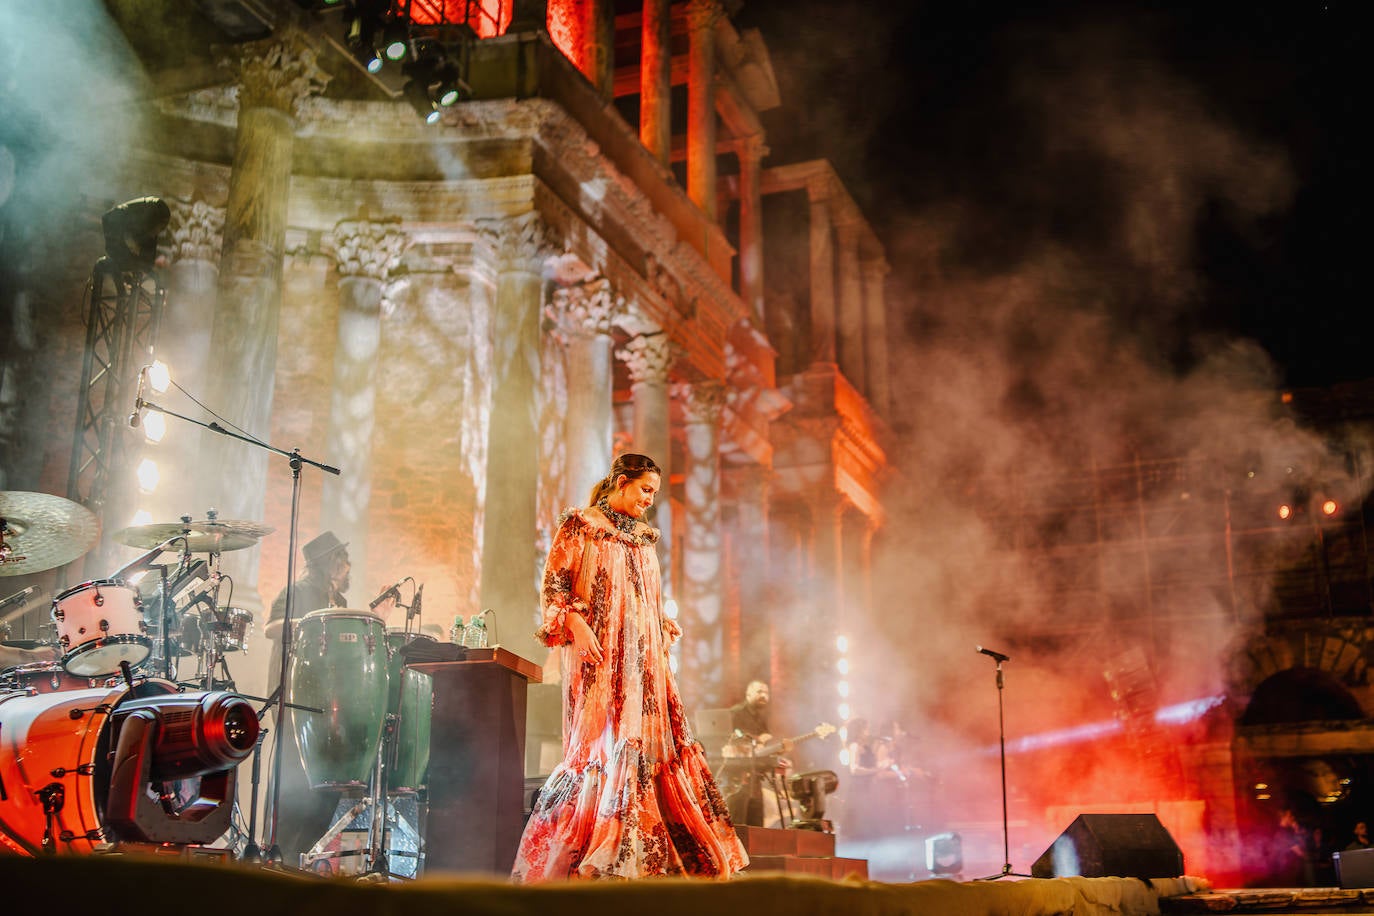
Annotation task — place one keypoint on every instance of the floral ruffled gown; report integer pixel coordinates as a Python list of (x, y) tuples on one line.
[(634, 796)]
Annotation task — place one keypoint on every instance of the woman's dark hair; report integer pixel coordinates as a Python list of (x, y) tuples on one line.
[(631, 465)]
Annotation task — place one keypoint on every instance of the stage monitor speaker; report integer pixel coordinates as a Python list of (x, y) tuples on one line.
[(1354, 868), (1112, 845)]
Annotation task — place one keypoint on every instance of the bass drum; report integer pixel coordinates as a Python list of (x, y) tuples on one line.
[(339, 665), (47, 677), (55, 752)]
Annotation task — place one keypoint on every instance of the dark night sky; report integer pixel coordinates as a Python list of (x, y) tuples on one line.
[(997, 113)]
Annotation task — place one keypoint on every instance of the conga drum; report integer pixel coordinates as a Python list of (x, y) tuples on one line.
[(411, 700), (339, 665)]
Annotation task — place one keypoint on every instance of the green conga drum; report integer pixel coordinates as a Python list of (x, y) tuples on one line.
[(339, 664), (411, 700)]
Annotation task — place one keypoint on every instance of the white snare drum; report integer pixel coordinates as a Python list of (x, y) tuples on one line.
[(100, 624)]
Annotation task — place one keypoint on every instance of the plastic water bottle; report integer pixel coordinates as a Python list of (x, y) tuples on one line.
[(456, 633), (475, 634)]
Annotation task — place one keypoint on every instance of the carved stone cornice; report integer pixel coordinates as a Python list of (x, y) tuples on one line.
[(702, 402), (587, 309), (278, 72), (519, 243), (369, 248), (197, 230), (649, 357)]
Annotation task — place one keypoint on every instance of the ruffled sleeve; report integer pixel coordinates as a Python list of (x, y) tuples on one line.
[(561, 571)]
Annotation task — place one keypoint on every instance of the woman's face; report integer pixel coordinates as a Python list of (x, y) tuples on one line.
[(637, 495)]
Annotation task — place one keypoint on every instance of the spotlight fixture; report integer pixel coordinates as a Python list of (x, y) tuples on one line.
[(395, 40), (451, 89), (131, 230), (416, 92)]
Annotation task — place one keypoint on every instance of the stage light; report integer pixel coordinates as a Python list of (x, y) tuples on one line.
[(810, 790), (842, 643), (450, 89), (843, 710), (1329, 507), (395, 40), (842, 688), (147, 474), (141, 517), (670, 609), (131, 230), (154, 427), (944, 854), (1285, 511), (842, 666), (416, 93), (159, 376)]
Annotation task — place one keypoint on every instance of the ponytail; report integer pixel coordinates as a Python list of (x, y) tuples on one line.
[(629, 464)]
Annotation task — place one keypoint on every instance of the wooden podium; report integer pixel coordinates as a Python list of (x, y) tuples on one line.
[(477, 761)]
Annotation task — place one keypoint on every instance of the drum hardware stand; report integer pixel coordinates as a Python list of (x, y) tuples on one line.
[(1006, 871), (296, 460)]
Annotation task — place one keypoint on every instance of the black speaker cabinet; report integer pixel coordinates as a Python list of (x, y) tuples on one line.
[(1354, 867), (1112, 845)]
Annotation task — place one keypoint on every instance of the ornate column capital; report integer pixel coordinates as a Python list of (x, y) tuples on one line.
[(587, 309), (278, 72), (521, 242), (648, 357), (197, 230), (369, 248), (702, 402)]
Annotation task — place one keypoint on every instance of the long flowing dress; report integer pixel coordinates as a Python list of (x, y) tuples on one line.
[(634, 796)]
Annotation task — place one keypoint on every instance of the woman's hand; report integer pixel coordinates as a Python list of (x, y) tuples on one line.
[(584, 640), (671, 631)]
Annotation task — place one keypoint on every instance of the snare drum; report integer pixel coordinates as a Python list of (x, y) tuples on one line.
[(100, 624), (43, 677), (339, 664)]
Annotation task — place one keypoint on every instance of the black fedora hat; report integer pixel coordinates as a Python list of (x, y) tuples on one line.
[(321, 547)]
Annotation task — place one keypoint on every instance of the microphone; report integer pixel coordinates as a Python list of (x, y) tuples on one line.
[(136, 418), (20, 597), (996, 655), (392, 592), (414, 610)]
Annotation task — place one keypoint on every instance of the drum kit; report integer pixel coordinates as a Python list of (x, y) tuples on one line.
[(147, 761)]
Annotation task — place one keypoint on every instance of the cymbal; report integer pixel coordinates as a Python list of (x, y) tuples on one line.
[(204, 536), (43, 532)]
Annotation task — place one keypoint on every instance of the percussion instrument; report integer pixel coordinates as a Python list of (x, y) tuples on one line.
[(212, 535), (39, 531), (411, 700), (44, 677), (339, 663), (99, 625)]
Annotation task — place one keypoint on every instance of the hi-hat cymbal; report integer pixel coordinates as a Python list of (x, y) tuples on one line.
[(42, 532), (204, 536)]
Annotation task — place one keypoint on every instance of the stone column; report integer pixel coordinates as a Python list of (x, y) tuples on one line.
[(585, 314), (703, 665), (274, 76), (879, 388), (655, 80), (702, 16), (184, 343), (851, 305), (822, 278), (648, 358), (751, 153), (827, 555), (510, 555), (749, 487), (366, 251), (601, 47)]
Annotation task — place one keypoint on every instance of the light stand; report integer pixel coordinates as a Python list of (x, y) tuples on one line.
[(1006, 871), (273, 855)]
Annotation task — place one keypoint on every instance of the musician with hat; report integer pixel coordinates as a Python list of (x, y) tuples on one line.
[(306, 813)]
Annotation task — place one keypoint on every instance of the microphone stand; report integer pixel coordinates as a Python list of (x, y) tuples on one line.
[(273, 856), (1006, 871)]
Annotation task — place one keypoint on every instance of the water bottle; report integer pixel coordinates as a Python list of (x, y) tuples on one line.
[(475, 634), (456, 632)]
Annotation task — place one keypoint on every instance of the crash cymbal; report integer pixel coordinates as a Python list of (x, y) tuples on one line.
[(42, 532), (204, 536)]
